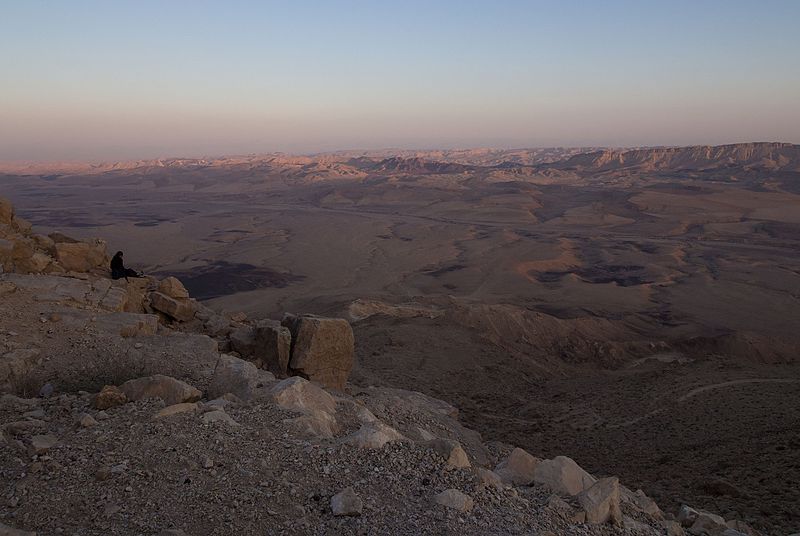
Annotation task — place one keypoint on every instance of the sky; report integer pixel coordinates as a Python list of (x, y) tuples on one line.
[(114, 79)]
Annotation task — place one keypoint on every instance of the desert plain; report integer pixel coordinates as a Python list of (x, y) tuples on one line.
[(637, 310)]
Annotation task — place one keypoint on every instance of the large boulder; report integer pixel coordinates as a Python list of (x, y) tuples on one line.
[(272, 345), (243, 341), (601, 502), (641, 502), (136, 294), (518, 468), (318, 407), (315, 425), (300, 395), (563, 475), (170, 390), (19, 254), (81, 256), (215, 325), (116, 300), (180, 309), (173, 288), (322, 349), (109, 397), (37, 263), (373, 435), (705, 523), (687, 516), (24, 257), (238, 377)]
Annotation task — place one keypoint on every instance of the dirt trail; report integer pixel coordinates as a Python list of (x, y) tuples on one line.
[(698, 391), (705, 388)]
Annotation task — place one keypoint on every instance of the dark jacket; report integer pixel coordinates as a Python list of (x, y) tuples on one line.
[(117, 267)]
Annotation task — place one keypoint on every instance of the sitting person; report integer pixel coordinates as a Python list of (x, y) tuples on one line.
[(118, 269)]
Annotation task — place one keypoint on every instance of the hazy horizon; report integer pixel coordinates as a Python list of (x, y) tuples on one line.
[(98, 81), (391, 151)]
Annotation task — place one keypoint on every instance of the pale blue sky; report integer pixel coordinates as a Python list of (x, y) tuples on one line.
[(112, 79)]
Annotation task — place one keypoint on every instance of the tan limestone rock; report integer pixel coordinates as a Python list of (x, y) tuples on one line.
[(81, 256), (451, 451), (322, 349), (373, 435), (176, 409), (109, 397), (485, 478), (272, 345), (238, 377), (172, 287), (170, 390), (179, 309), (517, 469), (301, 395), (601, 502), (455, 499), (563, 475)]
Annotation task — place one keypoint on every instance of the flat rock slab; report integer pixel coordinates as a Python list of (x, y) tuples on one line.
[(176, 409), (180, 309), (128, 324)]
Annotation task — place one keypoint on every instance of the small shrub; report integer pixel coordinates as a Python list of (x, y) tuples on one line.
[(24, 385), (106, 369)]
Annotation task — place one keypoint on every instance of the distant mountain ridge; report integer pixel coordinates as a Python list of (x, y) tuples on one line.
[(761, 155), (773, 156), (415, 165)]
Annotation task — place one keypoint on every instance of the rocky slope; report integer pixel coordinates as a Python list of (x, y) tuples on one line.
[(130, 408)]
